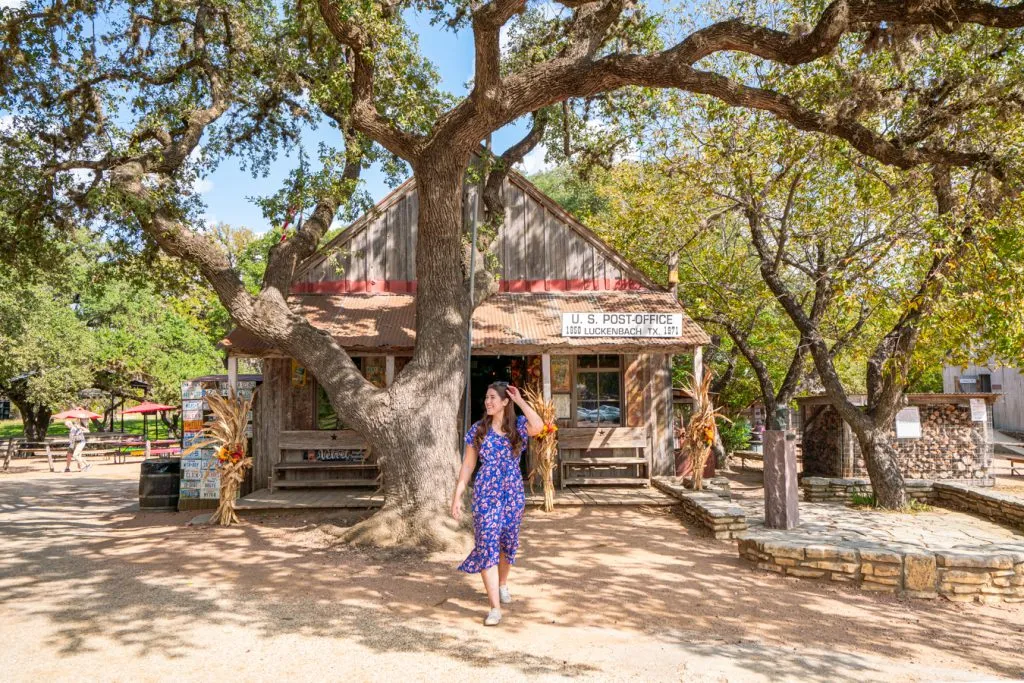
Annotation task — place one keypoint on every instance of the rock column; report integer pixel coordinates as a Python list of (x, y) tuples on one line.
[(781, 509)]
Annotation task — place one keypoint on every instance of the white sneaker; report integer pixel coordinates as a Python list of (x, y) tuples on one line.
[(503, 595), (493, 617)]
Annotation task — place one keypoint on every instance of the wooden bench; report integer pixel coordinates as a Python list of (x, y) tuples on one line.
[(747, 455), (603, 438), (48, 452), (1016, 465)]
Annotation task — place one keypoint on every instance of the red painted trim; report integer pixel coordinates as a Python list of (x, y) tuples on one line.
[(517, 286), (355, 286)]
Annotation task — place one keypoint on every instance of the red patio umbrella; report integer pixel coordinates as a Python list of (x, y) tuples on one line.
[(76, 414), (148, 408)]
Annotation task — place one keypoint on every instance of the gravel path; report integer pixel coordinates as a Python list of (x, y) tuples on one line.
[(92, 589)]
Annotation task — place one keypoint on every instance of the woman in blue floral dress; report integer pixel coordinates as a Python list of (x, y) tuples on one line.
[(498, 440)]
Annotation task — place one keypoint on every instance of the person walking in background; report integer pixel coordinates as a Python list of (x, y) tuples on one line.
[(757, 437), (76, 444)]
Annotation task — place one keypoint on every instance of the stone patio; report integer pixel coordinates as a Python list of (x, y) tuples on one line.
[(937, 529), (939, 552)]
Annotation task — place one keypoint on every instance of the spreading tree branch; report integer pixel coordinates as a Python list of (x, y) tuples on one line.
[(365, 116)]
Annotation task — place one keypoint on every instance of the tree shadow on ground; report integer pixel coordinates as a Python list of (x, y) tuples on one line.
[(144, 581)]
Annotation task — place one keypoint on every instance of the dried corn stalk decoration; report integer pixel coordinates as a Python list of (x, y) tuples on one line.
[(543, 447), (698, 435), (227, 432)]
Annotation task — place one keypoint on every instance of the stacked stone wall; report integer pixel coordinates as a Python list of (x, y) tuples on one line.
[(951, 446), (987, 575), (712, 511), (999, 507), (828, 490), (820, 443)]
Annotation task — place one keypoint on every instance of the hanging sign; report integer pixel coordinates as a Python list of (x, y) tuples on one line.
[(979, 411), (908, 423), (622, 324)]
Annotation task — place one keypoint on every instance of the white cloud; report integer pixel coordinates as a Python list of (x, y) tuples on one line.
[(202, 185), (11, 4), (535, 161), (7, 120)]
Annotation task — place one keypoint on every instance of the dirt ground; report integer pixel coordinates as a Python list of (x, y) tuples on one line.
[(92, 589)]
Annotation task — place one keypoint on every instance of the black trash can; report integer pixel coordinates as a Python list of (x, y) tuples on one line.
[(159, 484)]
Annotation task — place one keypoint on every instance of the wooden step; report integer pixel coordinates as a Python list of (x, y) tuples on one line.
[(604, 461), (323, 483), (637, 481), (325, 465)]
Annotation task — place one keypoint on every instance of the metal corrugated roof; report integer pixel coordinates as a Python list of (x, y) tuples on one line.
[(528, 321)]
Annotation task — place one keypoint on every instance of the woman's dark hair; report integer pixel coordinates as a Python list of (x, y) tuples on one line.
[(508, 422)]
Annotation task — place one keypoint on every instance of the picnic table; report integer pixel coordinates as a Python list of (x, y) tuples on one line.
[(170, 447), (116, 446)]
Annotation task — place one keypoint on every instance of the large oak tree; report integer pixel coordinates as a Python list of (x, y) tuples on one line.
[(124, 92)]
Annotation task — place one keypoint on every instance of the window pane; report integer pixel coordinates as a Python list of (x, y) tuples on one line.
[(325, 417), (587, 413), (609, 361), (609, 413), (586, 361), (608, 388), (586, 386)]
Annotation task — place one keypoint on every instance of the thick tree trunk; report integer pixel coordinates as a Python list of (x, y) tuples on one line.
[(35, 420), (719, 453), (414, 429), (171, 424), (883, 469), (416, 446)]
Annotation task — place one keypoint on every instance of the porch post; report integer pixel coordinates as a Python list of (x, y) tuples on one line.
[(698, 364), (233, 374), (389, 371), (545, 373)]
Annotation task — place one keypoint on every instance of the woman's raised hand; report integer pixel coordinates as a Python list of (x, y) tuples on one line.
[(513, 393)]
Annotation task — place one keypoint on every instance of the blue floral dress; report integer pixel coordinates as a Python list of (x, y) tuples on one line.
[(498, 500)]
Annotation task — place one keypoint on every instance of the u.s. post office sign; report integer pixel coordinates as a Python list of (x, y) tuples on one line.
[(622, 324)]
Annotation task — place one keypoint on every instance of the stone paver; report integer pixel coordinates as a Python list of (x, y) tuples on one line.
[(938, 529)]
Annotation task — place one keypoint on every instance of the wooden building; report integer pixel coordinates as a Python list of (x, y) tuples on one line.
[(613, 393), (1006, 382)]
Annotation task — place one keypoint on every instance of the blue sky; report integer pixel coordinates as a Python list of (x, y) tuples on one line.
[(226, 192)]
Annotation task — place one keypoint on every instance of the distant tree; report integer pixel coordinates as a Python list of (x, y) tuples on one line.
[(46, 352)]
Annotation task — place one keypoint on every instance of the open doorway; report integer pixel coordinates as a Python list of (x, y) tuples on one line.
[(485, 370)]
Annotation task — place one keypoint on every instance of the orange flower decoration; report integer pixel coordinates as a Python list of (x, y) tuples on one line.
[(548, 430)]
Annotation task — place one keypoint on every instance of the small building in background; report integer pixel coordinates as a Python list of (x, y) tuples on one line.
[(1008, 412), (937, 436)]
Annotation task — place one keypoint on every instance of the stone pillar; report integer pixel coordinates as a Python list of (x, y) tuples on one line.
[(781, 509)]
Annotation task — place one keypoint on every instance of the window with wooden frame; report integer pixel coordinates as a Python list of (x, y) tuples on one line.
[(598, 390), (326, 418), (373, 369)]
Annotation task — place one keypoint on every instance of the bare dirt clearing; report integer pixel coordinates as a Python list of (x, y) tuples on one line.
[(91, 587)]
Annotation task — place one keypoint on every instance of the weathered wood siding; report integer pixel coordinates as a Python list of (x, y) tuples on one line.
[(267, 419), (1008, 411), (537, 244)]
